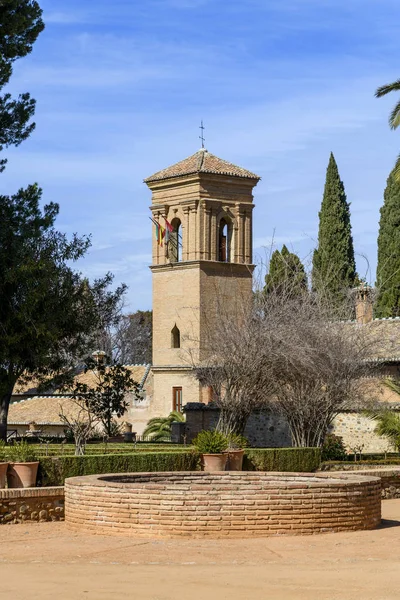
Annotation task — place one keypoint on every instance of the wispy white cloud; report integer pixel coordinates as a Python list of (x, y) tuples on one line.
[(121, 89), (276, 241), (63, 18)]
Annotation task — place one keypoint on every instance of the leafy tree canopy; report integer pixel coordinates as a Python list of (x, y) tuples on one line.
[(334, 268), (106, 397), (388, 268), (49, 315), (286, 273), (20, 24)]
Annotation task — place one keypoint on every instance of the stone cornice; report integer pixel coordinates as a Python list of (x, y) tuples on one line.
[(206, 265), (169, 368)]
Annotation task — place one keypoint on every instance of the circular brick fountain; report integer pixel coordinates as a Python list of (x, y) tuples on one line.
[(240, 504)]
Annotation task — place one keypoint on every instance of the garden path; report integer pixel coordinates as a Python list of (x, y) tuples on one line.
[(45, 561)]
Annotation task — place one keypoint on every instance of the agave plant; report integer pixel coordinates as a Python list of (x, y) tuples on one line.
[(158, 429)]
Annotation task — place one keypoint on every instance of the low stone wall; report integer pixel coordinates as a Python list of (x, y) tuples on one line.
[(32, 504), (267, 430), (263, 429), (242, 504), (357, 430), (390, 478)]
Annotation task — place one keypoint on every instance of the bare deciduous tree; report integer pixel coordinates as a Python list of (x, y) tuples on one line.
[(81, 421), (319, 366), (129, 339), (133, 338), (232, 361), (297, 355)]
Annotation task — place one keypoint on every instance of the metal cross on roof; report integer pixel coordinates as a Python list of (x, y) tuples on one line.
[(202, 134)]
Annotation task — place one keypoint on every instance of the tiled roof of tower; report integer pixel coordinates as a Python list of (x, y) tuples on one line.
[(201, 162)]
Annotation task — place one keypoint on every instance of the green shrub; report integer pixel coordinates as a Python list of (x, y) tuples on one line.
[(237, 441), (374, 456), (210, 442), (3, 453), (105, 448), (333, 448), (351, 465), (21, 452), (54, 470), (304, 460)]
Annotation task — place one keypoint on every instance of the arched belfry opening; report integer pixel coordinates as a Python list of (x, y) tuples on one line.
[(175, 337), (202, 206), (225, 240), (175, 243)]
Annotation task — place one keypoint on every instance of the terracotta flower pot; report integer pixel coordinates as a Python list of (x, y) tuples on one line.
[(235, 460), (3, 474), (214, 462), (22, 475)]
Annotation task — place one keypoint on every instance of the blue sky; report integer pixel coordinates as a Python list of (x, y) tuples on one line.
[(122, 86)]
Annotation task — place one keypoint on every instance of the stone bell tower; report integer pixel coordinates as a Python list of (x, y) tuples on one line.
[(208, 202)]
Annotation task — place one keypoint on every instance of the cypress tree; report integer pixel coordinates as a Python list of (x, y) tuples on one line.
[(388, 269), (334, 268), (286, 273)]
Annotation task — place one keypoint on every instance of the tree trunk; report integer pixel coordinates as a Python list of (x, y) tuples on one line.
[(80, 445), (232, 421), (306, 435), (6, 390)]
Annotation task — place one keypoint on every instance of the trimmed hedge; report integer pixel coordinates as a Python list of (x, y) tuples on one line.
[(376, 456), (54, 471), (304, 460), (111, 448), (359, 465)]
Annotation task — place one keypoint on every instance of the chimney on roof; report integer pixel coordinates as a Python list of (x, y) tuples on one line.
[(364, 303), (99, 357)]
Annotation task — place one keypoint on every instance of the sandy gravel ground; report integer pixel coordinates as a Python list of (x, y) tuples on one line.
[(46, 561)]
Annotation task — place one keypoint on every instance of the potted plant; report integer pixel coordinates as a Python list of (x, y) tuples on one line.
[(235, 452), (3, 464), (23, 466), (212, 445)]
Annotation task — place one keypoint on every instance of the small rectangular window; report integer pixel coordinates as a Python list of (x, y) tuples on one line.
[(177, 399)]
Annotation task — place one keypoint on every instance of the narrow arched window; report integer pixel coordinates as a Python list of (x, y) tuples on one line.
[(175, 337), (224, 240), (175, 241)]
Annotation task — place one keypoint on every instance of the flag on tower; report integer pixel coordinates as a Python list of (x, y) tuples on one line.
[(160, 232), (168, 230)]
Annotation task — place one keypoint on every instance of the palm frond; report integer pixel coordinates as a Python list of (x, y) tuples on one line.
[(388, 425), (176, 416), (158, 429), (386, 89), (393, 384), (394, 118), (396, 170)]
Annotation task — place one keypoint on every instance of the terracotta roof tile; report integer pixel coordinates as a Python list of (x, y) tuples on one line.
[(386, 336), (201, 162), (139, 373), (41, 409), (45, 410)]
